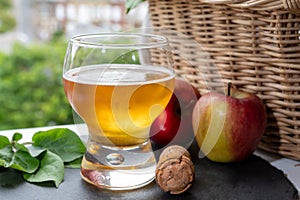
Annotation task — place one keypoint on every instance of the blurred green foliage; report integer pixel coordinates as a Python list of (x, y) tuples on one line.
[(7, 20), (31, 90), (5, 4)]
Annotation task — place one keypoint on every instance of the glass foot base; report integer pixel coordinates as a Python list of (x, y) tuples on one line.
[(117, 179), (119, 169)]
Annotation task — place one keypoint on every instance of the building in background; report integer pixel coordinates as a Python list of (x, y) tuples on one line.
[(40, 19)]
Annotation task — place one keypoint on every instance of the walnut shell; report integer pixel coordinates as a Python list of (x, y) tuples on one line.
[(175, 170)]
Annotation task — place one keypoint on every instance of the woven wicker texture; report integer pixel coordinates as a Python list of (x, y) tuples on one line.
[(254, 44)]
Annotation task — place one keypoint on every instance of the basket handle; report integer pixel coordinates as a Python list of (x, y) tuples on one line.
[(291, 5)]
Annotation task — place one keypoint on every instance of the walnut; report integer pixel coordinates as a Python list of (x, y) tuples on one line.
[(175, 170)]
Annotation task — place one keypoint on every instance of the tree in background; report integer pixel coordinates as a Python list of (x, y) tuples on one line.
[(7, 20), (31, 91)]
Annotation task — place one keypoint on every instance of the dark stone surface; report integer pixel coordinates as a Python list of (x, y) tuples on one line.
[(253, 179)]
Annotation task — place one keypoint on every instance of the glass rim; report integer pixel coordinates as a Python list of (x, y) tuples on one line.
[(80, 40)]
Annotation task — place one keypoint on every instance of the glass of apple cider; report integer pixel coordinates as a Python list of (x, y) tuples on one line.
[(113, 82)]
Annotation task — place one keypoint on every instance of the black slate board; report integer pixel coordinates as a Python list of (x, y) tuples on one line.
[(253, 179)]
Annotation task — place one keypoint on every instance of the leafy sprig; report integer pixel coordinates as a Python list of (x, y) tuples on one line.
[(131, 4), (45, 158)]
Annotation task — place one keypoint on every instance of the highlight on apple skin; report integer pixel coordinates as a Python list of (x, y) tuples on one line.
[(174, 124), (228, 128)]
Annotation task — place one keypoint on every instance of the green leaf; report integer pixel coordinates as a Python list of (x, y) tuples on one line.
[(6, 154), (4, 141), (24, 162), (2, 163), (74, 164), (19, 146), (35, 151), (131, 4), (51, 169), (61, 141), (20, 160), (17, 136)]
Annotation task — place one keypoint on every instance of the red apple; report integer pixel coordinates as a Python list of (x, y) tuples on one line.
[(229, 127), (174, 124)]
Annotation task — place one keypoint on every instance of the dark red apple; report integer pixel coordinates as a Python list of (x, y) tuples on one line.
[(174, 124)]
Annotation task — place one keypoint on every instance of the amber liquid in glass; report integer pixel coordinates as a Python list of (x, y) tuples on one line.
[(118, 103)]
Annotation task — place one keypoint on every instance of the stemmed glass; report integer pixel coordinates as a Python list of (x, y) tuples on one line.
[(114, 83)]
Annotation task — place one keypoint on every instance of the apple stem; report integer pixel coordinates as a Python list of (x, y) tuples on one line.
[(228, 88)]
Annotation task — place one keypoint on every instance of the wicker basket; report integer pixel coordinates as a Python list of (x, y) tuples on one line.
[(255, 44)]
